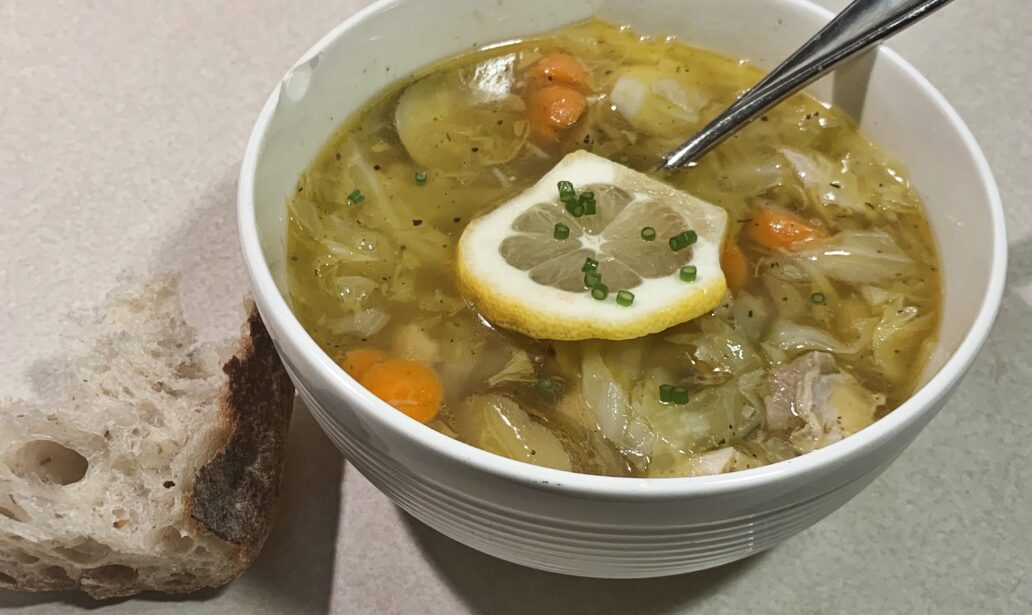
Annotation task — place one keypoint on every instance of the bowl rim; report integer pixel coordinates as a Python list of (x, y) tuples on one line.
[(275, 309)]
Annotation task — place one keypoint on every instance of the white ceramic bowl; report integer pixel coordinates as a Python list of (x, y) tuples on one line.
[(592, 525)]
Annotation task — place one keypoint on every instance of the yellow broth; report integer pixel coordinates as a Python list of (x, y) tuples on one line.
[(379, 273)]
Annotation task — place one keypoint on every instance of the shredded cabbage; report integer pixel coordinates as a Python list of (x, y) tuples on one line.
[(363, 323), (714, 415), (498, 424), (792, 337), (854, 405), (858, 257), (846, 183), (826, 182), (714, 462), (751, 316), (518, 369), (442, 302), (611, 408), (720, 346), (899, 326)]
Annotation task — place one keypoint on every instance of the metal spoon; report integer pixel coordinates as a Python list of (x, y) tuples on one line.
[(858, 27)]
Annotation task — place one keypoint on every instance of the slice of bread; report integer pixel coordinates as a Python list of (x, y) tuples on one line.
[(160, 469)]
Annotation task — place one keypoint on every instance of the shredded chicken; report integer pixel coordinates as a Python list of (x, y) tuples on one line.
[(813, 404)]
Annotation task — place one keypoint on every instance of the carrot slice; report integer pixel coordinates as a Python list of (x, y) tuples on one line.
[(776, 228), (554, 107), (561, 68), (358, 362), (735, 266), (409, 386)]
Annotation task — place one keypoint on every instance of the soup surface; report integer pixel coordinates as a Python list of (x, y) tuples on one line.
[(832, 274)]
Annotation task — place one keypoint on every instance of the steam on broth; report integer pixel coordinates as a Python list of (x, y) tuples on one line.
[(833, 273)]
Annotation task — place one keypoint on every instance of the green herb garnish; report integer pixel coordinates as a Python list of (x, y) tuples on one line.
[(688, 273), (679, 396), (670, 394), (355, 197), (666, 393), (587, 200), (625, 298), (421, 178), (648, 233), (683, 240), (600, 291), (561, 231)]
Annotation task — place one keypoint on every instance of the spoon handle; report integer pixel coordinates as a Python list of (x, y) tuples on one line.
[(859, 26)]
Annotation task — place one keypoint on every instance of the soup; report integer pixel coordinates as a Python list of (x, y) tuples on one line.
[(828, 277)]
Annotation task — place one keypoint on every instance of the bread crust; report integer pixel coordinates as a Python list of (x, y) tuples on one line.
[(235, 493)]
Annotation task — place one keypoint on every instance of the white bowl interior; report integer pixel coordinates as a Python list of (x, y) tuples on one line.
[(892, 103)]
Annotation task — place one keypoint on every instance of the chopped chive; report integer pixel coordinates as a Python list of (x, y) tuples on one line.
[(683, 240), (577, 211), (624, 160), (590, 264), (600, 291), (679, 396), (420, 178), (561, 231), (591, 279), (565, 190), (625, 298), (587, 200), (670, 394), (688, 273), (546, 384), (648, 233), (666, 393), (355, 197), (818, 298)]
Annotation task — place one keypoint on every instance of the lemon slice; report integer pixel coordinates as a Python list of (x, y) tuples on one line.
[(521, 277)]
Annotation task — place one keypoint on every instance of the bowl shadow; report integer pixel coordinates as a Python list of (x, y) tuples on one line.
[(486, 584), (294, 572)]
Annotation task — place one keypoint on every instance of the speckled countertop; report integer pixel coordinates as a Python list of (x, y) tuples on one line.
[(121, 126)]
